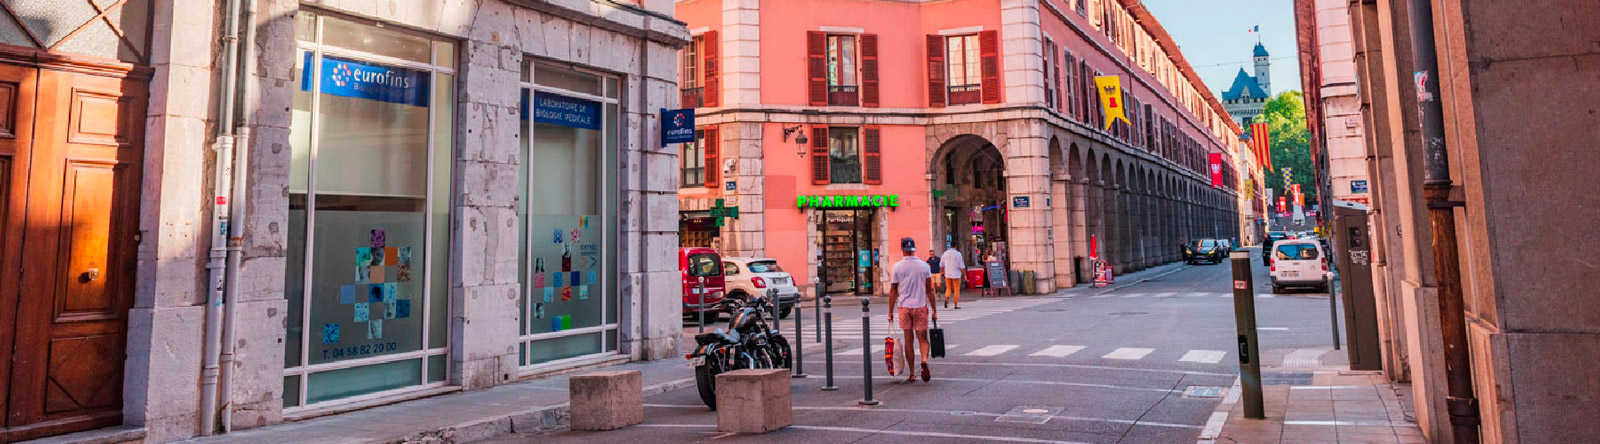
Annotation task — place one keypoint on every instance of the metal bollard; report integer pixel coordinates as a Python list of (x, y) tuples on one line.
[(1244, 313), (866, 350), (827, 345), (799, 340), (816, 303), (701, 300), (1333, 313), (772, 301)]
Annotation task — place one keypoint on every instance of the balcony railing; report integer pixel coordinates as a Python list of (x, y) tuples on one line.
[(841, 95), (692, 97), (965, 94)]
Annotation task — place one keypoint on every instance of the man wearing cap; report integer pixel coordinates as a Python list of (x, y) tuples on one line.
[(909, 293)]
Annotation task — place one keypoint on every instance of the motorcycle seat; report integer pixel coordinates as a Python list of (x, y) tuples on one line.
[(706, 338)]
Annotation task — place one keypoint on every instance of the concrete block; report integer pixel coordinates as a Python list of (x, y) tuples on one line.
[(754, 401), (606, 400)]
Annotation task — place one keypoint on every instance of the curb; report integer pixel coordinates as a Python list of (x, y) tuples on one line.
[(1143, 280), (527, 421), (1219, 417)]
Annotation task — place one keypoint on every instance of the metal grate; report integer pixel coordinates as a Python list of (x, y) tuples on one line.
[(1202, 392)]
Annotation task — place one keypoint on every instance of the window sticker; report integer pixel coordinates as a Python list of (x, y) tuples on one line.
[(402, 309), (347, 294), (330, 333), (363, 311), (380, 238), (583, 292), (375, 329), (363, 256), (391, 310)]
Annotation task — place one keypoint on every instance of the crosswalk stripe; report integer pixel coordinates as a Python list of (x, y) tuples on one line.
[(857, 351), (991, 350), (1133, 295), (1058, 351), (1203, 356), (1129, 353)]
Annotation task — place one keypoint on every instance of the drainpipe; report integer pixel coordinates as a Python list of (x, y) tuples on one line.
[(236, 213), (644, 171), (1459, 401), (220, 225)]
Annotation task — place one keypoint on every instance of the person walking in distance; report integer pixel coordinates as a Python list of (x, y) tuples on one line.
[(953, 267), (936, 268), (910, 290)]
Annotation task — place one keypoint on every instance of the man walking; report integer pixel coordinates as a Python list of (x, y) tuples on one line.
[(953, 267), (910, 289), (936, 268)]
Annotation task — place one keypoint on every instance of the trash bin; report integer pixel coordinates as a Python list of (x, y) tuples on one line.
[(1028, 286), (974, 278)]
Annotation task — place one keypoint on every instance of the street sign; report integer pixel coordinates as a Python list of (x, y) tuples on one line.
[(1358, 187), (677, 126), (1019, 202)]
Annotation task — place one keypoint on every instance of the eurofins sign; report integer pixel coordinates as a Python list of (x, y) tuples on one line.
[(878, 201)]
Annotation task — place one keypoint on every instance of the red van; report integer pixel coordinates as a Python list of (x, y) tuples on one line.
[(700, 265)]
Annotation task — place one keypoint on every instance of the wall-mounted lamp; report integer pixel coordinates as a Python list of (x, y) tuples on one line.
[(799, 140)]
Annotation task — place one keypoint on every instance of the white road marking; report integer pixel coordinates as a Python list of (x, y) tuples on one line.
[(1058, 351), (883, 432), (1273, 328), (942, 413), (1203, 356), (1214, 425), (856, 351), (991, 350), (1129, 353), (1133, 295)]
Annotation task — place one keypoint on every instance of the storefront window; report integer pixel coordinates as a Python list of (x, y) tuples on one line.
[(369, 205), (844, 156), (569, 208), (692, 162)]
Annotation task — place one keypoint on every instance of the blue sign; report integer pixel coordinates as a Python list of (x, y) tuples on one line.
[(677, 126), (350, 78), (556, 109), (1358, 187), (1020, 202)]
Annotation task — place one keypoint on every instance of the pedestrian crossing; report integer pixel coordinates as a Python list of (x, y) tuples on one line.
[(847, 322), (1159, 295), (1067, 351)]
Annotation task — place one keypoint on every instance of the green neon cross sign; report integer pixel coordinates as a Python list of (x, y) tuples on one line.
[(718, 212)]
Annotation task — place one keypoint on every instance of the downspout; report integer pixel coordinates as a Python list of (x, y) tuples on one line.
[(1459, 400), (222, 201), (644, 170), (236, 213)]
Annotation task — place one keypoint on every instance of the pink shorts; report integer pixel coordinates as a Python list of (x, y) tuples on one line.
[(915, 319)]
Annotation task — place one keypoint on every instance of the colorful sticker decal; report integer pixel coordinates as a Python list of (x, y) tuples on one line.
[(390, 292), (549, 294), (330, 333), (577, 278), (375, 329), (559, 235), (566, 322), (363, 311), (583, 292), (403, 256), (538, 265), (391, 310), (377, 272), (576, 235), (566, 294), (375, 293), (538, 310), (363, 274), (583, 222), (378, 257), (380, 238), (347, 294), (402, 309), (363, 256), (593, 277), (556, 277), (538, 279), (391, 255), (555, 323), (402, 273)]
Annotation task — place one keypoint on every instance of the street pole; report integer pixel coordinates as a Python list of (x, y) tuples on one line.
[(1244, 314), (700, 300), (1333, 314), (816, 303), (827, 345), (866, 353)]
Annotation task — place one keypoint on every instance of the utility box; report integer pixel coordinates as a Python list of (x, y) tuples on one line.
[(1352, 250)]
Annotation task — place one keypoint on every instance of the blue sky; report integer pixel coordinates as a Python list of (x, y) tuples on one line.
[(1213, 38)]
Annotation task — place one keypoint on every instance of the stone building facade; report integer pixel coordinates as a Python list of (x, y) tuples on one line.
[(436, 196), (1517, 132), (978, 119)]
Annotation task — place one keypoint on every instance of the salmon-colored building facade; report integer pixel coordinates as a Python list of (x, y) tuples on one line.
[(839, 127)]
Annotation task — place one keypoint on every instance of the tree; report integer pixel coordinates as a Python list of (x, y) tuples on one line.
[(1285, 116)]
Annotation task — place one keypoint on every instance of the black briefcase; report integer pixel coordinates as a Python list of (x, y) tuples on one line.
[(936, 340)]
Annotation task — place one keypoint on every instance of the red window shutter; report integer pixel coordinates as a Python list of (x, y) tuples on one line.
[(873, 163), (712, 69), (819, 156), (817, 68), (869, 70), (936, 88), (713, 164), (989, 56), (1060, 82)]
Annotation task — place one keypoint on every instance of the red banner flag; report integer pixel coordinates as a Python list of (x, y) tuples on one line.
[(1216, 170), (1262, 143)]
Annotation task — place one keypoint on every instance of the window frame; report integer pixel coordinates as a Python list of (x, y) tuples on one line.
[(699, 155), (836, 133), (840, 92), (970, 59)]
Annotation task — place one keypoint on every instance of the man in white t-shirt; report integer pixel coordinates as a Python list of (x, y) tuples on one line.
[(953, 268), (910, 290)]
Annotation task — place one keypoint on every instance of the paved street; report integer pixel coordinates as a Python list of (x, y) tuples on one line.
[(1103, 366)]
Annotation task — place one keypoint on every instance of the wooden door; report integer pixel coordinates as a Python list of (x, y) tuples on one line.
[(16, 141), (79, 225)]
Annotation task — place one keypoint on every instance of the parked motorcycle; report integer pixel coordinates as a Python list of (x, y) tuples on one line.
[(748, 342)]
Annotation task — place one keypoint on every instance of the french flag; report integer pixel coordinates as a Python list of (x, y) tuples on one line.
[(1254, 30)]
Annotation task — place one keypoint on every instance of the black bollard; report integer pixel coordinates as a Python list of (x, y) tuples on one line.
[(866, 350), (701, 300), (1244, 313), (816, 304), (827, 345), (799, 340)]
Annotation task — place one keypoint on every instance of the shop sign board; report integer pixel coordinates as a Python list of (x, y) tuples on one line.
[(1358, 187), (1020, 202), (364, 80), (556, 109), (677, 126), (876, 201)]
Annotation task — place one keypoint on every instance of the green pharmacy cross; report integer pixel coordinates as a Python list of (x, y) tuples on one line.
[(718, 212)]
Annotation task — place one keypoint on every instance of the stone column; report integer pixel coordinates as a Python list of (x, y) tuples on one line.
[(1095, 219), (1021, 51), (1117, 219), (1028, 175), (1080, 219), (1062, 229), (745, 236), (741, 55)]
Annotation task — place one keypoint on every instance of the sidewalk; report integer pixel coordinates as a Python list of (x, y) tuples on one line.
[(528, 406), (1334, 407)]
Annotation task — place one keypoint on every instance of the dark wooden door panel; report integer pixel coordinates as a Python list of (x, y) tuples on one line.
[(16, 130)]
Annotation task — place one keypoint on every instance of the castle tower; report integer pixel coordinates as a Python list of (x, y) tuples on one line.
[(1263, 69)]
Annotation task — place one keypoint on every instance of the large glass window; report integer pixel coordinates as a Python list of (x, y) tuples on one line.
[(842, 70), (692, 162), (568, 206), (844, 156), (369, 202), (966, 79)]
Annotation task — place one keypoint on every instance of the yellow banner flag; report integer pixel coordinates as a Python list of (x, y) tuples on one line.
[(1111, 99)]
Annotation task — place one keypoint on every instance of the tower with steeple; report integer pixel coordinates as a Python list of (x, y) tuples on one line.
[(1249, 94), (1263, 68)]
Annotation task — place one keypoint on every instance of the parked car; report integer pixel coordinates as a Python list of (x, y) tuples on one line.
[(1299, 263), (1210, 250), (1266, 245), (746, 276), (701, 265)]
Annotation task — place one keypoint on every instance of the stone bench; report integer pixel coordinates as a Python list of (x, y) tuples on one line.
[(606, 400), (754, 401)]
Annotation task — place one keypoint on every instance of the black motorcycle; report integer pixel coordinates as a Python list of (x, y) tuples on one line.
[(749, 342)]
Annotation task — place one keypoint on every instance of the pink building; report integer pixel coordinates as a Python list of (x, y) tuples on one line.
[(976, 121)]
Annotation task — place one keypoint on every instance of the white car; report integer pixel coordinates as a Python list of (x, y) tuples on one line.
[(1299, 263), (748, 276)]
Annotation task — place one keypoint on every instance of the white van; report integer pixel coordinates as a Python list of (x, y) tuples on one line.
[(1299, 263)]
